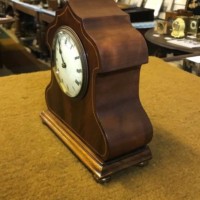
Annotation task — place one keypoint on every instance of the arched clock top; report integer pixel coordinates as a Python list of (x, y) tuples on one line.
[(106, 28)]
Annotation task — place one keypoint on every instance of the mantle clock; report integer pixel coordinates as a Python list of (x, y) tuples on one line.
[(93, 97)]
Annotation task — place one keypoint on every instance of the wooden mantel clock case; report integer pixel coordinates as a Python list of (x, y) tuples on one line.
[(93, 97)]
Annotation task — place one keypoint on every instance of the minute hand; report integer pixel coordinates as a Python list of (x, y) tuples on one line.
[(60, 51)]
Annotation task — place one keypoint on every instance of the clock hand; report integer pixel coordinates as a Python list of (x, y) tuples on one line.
[(60, 51)]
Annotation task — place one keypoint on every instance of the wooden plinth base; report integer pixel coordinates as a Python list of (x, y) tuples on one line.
[(102, 170)]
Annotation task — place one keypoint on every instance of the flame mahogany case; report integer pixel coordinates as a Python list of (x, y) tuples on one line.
[(107, 128)]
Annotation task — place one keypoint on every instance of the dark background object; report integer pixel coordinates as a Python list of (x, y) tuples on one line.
[(138, 14), (2, 9)]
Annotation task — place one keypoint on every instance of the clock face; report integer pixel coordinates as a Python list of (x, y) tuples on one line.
[(69, 62)]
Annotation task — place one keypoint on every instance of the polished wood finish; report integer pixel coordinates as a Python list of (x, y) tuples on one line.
[(101, 170), (108, 127)]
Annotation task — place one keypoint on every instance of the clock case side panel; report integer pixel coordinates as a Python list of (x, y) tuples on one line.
[(121, 51), (118, 107), (126, 124)]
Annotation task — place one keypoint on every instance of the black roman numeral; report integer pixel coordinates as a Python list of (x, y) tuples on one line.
[(77, 82), (77, 57), (71, 46), (79, 70)]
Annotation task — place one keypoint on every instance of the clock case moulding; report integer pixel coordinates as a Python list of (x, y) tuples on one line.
[(107, 129)]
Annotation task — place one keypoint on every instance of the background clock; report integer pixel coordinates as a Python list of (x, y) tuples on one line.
[(96, 50), (69, 62), (194, 26), (179, 27)]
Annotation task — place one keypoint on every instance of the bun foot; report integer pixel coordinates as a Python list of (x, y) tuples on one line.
[(143, 163), (102, 180)]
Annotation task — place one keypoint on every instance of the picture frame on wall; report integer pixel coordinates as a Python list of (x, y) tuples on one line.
[(139, 3), (155, 5), (179, 4), (136, 3), (166, 6)]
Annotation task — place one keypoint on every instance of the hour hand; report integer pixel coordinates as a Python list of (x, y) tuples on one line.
[(63, 64), (60, 51)]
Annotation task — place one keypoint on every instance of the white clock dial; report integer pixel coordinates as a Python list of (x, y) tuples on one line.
[(70, 64)]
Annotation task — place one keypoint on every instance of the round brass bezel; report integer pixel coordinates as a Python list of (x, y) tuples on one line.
[(69, 31)]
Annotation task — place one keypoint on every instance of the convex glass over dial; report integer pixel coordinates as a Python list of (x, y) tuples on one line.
[(69, 62)]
